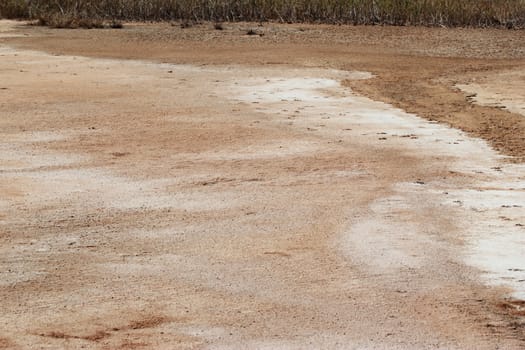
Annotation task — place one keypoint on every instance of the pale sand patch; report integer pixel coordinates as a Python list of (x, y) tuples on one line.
[(8, 28), (501, 90)]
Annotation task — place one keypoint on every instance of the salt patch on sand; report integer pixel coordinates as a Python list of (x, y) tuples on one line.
[(501, 255), (495, 229), (94, 187), (489, 221)]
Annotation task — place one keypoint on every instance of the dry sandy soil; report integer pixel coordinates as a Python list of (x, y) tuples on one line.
[(312, 187)]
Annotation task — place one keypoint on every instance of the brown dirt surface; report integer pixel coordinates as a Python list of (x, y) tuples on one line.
[(416, 69), (200, 189)]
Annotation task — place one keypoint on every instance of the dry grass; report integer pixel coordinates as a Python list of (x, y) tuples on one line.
[(56, 20), (475, 13), (13, 9)]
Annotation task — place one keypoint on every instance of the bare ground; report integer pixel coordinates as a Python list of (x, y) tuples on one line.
[(247, 199)]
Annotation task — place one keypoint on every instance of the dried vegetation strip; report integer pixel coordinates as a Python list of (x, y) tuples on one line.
[(478, 13)]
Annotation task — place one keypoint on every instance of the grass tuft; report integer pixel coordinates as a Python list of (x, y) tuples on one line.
[(186, 24), (114, 24), (72, 22)]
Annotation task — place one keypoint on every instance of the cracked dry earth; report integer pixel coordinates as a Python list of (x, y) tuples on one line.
[(160, 206)]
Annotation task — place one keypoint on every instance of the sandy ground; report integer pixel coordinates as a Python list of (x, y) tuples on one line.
[(507, 93), (253, 204)]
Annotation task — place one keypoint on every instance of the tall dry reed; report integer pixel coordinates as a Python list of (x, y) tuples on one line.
[(475, 13)]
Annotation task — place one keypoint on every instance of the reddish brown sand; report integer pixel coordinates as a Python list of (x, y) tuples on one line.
[(209, 189)]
